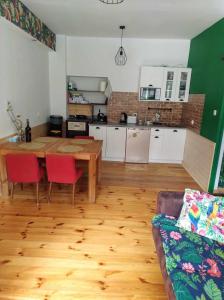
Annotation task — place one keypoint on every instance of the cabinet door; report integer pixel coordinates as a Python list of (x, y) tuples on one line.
[(168, 92), (151, 76), (99, 133), (156, 153), (174, 142), (183, 84), (116, 143)]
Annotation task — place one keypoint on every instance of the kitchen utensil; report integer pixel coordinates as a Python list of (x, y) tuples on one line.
[(123, 118)]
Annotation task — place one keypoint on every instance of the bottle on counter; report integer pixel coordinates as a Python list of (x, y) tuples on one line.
[(28, 131)]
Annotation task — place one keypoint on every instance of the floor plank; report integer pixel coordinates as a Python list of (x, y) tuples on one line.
[(93, 251)]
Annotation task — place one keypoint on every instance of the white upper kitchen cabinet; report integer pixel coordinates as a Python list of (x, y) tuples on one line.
[(169, 88), (99, 133), (183, 84), (151, 76), (176, 84), (167, 145), (116, 143)]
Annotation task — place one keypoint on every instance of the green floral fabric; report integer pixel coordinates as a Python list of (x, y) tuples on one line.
[(195, 264)]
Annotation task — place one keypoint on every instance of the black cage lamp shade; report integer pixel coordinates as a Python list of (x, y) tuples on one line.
[(121, 57)]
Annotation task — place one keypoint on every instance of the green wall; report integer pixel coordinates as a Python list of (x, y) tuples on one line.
[(205, 59), (207, 62)]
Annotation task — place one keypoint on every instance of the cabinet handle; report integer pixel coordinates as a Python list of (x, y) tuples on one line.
[(157, 130), (175, 130), (116, 128), (167, 99), (156, 137), (181, 100), (97, 127), (150, 84)]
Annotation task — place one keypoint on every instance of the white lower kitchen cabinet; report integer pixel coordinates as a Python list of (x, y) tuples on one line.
[(174, 141), (116, 143), (156, 145), (167, 145), (99, 133)]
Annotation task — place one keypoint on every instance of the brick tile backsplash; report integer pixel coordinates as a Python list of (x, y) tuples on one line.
[(129, 103), (172, 113), (193, 110)]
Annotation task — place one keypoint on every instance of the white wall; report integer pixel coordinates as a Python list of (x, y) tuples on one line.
[(57, 75), (24, 77), (95, 57)]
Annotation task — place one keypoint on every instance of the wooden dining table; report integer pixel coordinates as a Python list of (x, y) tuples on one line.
[(88, 150)]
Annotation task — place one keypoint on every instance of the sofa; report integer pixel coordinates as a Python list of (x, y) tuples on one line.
[(169, 203), (192, 264)]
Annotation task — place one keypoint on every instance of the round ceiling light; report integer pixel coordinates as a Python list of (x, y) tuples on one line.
[(112, 1)]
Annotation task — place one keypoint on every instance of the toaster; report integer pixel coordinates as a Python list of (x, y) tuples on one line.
[(132, 119)]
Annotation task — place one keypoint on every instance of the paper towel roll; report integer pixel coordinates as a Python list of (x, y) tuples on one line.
[(103, 85)]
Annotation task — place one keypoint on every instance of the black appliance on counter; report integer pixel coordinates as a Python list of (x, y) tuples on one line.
[(123, 118), (101, 118), (55, 126), (77, 125)]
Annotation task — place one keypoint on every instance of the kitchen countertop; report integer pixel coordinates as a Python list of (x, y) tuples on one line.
[(139, 126)]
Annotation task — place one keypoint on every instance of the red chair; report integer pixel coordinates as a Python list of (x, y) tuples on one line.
[(62, 169), (84, 137), (23, 168)]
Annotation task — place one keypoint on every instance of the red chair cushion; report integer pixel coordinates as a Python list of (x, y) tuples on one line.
[(62, 169), (23, 168)]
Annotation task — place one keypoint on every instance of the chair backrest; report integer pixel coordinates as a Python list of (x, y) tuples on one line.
[(61, 168), (22, 167), (84, 137)]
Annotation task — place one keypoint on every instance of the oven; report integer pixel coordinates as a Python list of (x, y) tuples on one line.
[(77, 125)]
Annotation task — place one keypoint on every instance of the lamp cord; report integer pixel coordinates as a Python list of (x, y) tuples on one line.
[(122, 32)]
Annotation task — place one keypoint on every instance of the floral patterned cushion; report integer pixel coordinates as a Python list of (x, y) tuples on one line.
[(203, 214)]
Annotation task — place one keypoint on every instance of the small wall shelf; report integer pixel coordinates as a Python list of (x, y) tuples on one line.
[(88, 103), (84, 91)]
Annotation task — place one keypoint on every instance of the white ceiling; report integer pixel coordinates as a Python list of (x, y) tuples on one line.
[(182, 19)]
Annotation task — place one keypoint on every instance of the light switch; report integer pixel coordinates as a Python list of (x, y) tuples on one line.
[(215, 112)]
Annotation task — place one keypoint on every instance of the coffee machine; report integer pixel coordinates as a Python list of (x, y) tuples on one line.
[(123, 118)]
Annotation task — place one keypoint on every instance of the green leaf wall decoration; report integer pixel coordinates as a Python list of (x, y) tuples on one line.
[(17, 13)]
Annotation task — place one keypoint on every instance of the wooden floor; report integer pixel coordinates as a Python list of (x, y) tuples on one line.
[(93, 251)]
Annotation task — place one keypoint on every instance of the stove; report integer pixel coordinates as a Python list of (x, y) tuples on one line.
[(77, 125)]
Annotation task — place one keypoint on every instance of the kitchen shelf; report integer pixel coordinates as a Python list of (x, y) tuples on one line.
[(85, 91), (88, 103)]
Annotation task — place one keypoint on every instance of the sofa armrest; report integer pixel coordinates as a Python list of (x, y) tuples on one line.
[(170, 203), (162, 261)]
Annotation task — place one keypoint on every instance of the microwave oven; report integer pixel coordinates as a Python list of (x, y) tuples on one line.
[(150, 94)]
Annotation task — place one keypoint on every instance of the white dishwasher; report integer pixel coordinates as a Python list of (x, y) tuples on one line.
[(137, 147)]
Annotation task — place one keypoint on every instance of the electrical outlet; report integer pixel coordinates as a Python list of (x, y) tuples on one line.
[(192, 122), (214, 112)]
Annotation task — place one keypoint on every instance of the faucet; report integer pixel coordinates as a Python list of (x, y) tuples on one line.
[(157, 117)]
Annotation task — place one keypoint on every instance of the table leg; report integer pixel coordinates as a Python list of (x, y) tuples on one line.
[(3, 178), (92, 179), (99, 164)]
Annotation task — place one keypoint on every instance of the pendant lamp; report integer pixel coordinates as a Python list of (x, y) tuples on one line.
[(121, 57)]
